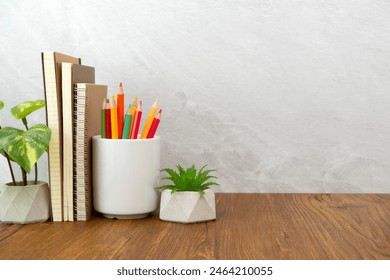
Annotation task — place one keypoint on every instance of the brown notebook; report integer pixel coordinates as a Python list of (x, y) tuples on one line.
[(51, 66), (88, 102), (71, 75)]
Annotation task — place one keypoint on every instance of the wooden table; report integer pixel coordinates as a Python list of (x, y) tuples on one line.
[(248, 226)]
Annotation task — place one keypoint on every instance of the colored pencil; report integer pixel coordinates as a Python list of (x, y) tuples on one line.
[(103, 120), (149, 120), (133, 108), (126, 126), (154, 126), (121, 104), (137, 121), (108, 119), (114, 119)]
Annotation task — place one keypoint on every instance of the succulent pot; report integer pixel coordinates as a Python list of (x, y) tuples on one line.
[(187, 207), (25, 204)]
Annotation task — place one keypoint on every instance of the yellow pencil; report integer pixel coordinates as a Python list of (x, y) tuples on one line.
[(133, 108), (149, 120), (114, 120)]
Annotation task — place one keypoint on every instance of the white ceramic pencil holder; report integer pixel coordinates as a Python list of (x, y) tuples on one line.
[(125, 174)]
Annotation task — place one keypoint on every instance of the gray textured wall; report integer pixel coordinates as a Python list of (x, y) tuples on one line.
[(279, 96)]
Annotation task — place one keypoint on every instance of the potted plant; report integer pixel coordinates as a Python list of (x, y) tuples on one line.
[(188, 198), (24, 201)]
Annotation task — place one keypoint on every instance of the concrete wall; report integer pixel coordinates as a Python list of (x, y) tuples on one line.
[(278, 96)]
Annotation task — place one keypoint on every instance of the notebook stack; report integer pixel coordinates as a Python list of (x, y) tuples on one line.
[(72, 106)]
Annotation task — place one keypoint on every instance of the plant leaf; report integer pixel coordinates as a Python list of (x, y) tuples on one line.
[(174, 177), (26, 108), (191, 172), (181, 170), (1, 105), (203, 176), (25, 147), (206, 185)]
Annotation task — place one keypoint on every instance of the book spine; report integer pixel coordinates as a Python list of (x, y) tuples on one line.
[(54, 151), (66, 137), (80, 155)]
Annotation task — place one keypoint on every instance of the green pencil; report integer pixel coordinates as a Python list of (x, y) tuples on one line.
[(126, 126), (103, 120)]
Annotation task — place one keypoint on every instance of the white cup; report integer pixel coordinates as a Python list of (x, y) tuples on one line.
[(125, 174)]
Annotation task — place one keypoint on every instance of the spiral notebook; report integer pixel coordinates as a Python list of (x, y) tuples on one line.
[(71, 75), (87, 104)]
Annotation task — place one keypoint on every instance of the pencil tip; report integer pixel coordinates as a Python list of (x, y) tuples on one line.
[(113, 101), (120, 91)]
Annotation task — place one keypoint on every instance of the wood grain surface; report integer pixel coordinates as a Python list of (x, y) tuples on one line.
[(248, 226)]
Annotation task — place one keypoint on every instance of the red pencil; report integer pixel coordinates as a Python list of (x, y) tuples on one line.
[(137, 121), (121, 112), (155, 123), (108, 119)]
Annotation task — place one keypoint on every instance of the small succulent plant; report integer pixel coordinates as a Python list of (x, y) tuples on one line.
[(188, 179)]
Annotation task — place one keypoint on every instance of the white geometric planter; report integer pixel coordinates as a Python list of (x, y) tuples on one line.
[(187, 207), (25, 204)]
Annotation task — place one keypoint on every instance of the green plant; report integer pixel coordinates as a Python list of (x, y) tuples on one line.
[(188, 179), (24, 147)]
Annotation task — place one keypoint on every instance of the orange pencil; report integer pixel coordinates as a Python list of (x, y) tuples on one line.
[(137, 121), (155, 123), (114, 119), (149, 120), (121, 108)]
